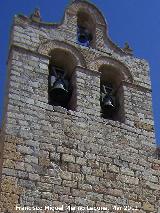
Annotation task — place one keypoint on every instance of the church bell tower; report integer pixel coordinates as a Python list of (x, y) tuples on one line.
[(78, 126)]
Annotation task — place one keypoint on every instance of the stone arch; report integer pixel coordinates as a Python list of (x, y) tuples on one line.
[(47, 47), (119, 66), (100, 25), (86, 22), (88, 7)]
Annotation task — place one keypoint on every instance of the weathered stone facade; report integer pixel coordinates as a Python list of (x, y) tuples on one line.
[(53, 156)]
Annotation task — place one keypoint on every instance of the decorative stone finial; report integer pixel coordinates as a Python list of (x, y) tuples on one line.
[(127, 49), (36, 16)]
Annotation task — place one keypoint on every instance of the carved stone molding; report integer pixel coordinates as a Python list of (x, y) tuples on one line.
[(88, 7), (104, 60), (50, 45)]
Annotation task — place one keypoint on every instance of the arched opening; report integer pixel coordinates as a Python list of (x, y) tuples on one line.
[(111, 97), (61, 90), (85, 29)]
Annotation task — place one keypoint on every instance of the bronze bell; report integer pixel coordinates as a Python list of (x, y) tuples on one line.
[(58, 89), (59, 86), (59, 93), (108, 103), (84, 37)]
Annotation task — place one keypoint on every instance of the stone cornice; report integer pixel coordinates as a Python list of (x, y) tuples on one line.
[(17, 47), (137, 87)]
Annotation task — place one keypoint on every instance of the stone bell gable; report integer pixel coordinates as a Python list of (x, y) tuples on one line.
[(78, 129)]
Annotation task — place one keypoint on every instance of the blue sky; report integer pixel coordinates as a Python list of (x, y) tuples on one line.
[(135, 21)]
